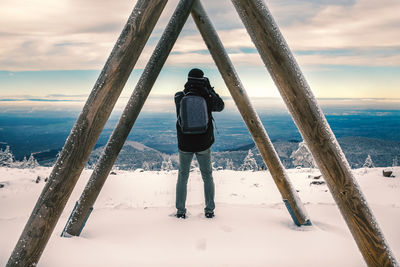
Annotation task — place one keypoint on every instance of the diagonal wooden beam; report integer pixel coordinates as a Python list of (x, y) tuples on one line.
[(85, 133), (315, 131), (249, 115), (84, 206)]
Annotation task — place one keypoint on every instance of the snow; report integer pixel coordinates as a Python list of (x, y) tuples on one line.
[(133, 224)]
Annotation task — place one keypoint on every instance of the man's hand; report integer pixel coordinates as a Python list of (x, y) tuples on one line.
[(210, 89)]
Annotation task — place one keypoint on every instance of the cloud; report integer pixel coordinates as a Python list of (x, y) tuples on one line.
[(365, 24), (79, 34), (388, 59), (47, 35), (325, 30)]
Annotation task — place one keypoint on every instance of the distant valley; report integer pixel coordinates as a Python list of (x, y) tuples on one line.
[(153, 138), (356, 149)]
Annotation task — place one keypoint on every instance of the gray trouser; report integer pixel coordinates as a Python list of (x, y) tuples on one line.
[(204, 159)]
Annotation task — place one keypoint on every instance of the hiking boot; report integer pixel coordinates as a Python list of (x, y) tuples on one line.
[(209, 215), (181, 215)]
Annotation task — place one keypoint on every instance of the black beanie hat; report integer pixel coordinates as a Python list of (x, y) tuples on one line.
[(196, 73)]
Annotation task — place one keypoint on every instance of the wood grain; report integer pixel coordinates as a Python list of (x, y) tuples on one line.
[(249, 115), (85, 133), (315, 131), (116, 141)]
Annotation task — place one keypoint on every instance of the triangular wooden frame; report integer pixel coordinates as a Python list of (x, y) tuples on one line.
[(289, 80), (86, 202)]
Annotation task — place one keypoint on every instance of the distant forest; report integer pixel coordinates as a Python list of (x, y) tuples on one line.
[(359, 132)]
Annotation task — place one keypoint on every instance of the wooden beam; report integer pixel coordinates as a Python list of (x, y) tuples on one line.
[(85, 133), (81, 212), (315, 131), (249, 115)]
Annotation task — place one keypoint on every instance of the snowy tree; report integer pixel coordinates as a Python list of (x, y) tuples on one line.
[(229, 164), (249, 163), (20, 164), (368, 162), (146, 166), (6, 157), (395, 162), (213, 166), (166, 165), (302, 156), (31, 162)]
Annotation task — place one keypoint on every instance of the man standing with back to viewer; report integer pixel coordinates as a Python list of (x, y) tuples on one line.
[(196, 142)]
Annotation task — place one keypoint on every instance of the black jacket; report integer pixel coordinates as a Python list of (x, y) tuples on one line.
[(198, 142)]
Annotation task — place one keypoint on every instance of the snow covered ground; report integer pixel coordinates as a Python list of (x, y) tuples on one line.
[(132, 225)]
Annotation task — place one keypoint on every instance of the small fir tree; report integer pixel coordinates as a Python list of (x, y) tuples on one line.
[(20, 164), (368, 162), (6, 157), (166, 165), (249, 163), (302, 156), (229, 164), (395, 162), (31, 163), (146, 166)]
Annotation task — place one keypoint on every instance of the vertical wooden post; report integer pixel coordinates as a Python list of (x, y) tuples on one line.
[(249, 115), (84, 135), (315, 131), (114, 145)]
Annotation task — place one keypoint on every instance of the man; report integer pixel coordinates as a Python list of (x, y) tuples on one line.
[(198, 144)]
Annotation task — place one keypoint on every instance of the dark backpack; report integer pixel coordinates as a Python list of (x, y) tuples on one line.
[(193, 114)]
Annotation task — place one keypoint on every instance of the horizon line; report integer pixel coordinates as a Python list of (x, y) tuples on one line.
[(81, 98)]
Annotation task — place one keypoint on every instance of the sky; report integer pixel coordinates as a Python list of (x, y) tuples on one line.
[(55, 50)]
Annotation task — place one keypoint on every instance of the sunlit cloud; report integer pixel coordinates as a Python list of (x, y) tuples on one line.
[(366, 24), (329, 38), (65, 35), (370, 40)]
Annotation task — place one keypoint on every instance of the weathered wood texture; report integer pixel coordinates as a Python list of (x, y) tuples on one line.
[(315, 131), (116, 141), (248, 113), (84, 134)]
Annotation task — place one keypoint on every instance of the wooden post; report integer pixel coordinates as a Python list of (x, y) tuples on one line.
[(79, 215), (249, 115), (84, 135), (315, 131)]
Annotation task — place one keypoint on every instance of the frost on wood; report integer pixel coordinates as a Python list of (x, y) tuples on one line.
[(86, 131), (131, 111), (314, 129)]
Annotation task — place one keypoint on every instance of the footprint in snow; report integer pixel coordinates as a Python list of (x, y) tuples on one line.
[(226, 228), (201, 244)]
